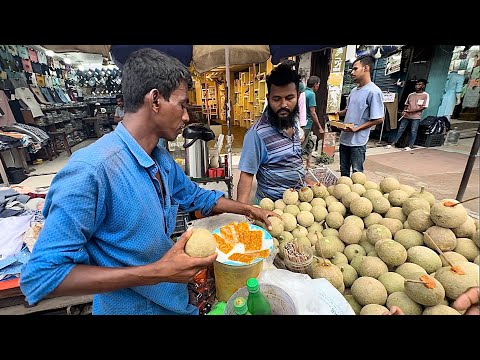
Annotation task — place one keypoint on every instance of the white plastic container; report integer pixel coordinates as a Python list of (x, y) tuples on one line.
[(452, 137)]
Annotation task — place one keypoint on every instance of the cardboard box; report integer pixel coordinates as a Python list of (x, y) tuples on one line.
[(333, 117), (341, 125)]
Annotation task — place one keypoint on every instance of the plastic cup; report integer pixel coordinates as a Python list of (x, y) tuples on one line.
[(302, 267), (229, 279)]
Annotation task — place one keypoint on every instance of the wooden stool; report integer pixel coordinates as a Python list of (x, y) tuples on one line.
[(63, 137)]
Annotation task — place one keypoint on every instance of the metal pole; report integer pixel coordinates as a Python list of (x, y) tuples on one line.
[(229, 131), (206, 99), (469, 166)]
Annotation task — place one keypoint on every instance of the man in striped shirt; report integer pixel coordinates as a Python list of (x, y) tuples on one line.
[(271, 148)]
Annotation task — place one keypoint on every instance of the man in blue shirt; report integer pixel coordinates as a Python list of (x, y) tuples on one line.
[(271, 147), (364, 110), (111, 210)]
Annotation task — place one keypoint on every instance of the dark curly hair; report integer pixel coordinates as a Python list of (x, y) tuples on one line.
[(148, 69), (282, 75)]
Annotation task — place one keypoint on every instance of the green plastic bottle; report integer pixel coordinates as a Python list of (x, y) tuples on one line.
[(240, 306), (257, 303)]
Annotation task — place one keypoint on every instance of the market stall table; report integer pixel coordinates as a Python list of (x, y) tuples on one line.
[(12, 302), (20, 154)]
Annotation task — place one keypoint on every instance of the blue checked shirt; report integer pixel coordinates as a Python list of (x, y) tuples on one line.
[(106, 208), (273, 156)]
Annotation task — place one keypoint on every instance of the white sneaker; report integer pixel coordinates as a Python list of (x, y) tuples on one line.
[(408, 148), (388, 147)]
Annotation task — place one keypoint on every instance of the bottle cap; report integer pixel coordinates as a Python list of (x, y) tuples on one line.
[(252, 285), (240, 305)]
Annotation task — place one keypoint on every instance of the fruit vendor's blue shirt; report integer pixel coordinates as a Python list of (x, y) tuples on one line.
[(105, 208)]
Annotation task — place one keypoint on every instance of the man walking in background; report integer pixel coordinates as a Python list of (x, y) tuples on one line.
[(414, 105), (313, 84)]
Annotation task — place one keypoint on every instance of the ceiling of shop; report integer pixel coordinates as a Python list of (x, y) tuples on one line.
[(96, 60), (83, 58), (77, 58)]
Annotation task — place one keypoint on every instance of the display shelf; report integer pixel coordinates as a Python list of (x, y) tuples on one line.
[(73, 130), (63, 106), (77, 142), (209, 98), (252, 84)]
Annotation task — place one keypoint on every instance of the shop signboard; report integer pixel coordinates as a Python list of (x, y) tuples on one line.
[(393, 63), (338, 60), (388, 97), (304, 66), (335, 79), (334, 83)]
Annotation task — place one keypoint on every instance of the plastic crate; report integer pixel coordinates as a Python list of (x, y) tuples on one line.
[(323, 173), (430, 140)]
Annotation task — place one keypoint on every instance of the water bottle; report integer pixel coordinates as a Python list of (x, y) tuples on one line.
[(240, 306), (452, 137), (257, 303)]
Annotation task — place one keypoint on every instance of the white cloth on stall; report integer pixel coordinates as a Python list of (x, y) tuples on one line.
[(11, 236)]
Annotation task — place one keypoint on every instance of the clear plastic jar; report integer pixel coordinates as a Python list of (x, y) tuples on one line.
[(452, 137)]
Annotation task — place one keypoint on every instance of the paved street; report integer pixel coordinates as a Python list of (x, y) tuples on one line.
[(439, 169)]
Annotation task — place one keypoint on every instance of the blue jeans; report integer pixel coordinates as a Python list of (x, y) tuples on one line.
[(413, 130), (351, 156)]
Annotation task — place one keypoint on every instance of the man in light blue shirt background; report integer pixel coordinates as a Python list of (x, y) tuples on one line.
[(365, 110)]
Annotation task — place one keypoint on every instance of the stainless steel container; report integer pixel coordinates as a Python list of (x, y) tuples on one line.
[(196, 149)]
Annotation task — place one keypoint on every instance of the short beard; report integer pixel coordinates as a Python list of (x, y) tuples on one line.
[(282, 122)]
